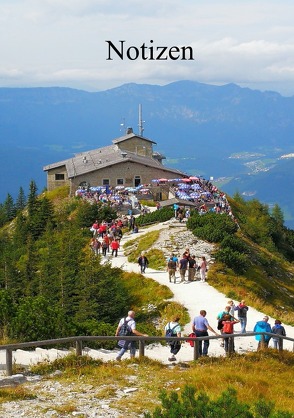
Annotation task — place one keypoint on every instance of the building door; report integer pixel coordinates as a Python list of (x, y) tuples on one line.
[(137, 181)]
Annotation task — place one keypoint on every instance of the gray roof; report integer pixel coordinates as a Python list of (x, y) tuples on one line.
[(88, 161), (131, 135)]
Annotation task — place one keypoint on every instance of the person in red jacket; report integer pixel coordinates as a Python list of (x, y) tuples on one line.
[(114, 246), (228, 328)]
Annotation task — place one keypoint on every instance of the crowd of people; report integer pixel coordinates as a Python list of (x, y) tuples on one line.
[(226, 320), (201, 191), (187, 267), (106, 238)]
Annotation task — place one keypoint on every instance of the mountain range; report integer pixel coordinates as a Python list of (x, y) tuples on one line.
[(241, 138)]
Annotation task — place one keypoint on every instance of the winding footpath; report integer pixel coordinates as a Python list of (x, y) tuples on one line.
[(196, 296)]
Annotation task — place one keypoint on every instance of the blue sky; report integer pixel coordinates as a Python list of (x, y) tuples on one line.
[(62, 42)]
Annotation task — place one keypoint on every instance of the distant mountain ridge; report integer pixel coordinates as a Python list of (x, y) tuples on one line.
[(197, 126)]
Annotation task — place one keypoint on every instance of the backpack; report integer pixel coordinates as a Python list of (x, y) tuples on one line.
[(170, 331), (220, 324), (172, 264), (191, 342), (227, 327), (242, 312), (125, 329)]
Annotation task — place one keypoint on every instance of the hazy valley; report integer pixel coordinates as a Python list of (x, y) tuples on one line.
[(235, 135)]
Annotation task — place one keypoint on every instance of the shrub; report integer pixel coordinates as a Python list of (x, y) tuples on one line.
[(161, 215), (38, 319), (227, 405), (235, 243), (233, 259), (211, 227), (209, 233), (93, 327)]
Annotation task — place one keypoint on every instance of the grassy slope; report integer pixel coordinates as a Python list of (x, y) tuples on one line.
[(255, 376)]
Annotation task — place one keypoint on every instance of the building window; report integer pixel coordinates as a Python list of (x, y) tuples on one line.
[(137, 180), (59, 176), (105, 182), (119, 182)]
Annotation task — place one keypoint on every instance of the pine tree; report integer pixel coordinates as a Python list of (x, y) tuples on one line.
[(32, 198), (277, 214), (9, 207), (20, 200), (3, 217)]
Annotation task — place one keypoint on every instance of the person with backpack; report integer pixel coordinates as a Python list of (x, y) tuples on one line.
[(172, 267), (220, 319), (228, 328), (173, 329), (127, 327), (242, 315)]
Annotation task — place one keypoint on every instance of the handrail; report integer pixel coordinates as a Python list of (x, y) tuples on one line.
[(78, 340)]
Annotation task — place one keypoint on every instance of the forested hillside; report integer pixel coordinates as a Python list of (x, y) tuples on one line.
[(51, 285)]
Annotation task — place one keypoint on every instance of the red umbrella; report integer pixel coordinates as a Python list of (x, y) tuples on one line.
[(162, 179), (186, 180), (194, 178)]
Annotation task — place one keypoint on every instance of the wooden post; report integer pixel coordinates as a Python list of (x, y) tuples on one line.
[(231, 345), (141, 348), (262, 342), (9, 362), (79, 348), (280, 343), (196, 350)]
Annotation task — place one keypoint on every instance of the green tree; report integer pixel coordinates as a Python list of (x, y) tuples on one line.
[(9, 207), (32, 198), (7, 312), (278, 215), (102, 294), (8, 270), (86, 214), (37, 318), (20, 200), (3, 217)]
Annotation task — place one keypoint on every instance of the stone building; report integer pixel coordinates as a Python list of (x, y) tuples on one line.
[(128, 162)]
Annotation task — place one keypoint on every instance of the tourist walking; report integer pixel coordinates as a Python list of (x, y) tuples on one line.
[(278, 329), (173, 329), (242, 310), (262, 326), (114, 247), (232, 307), (125, 345), (203, 269), (192, 268), (143, 262), (183, 266), (220, 319), (200, 326), (228, 328), (171, 268)]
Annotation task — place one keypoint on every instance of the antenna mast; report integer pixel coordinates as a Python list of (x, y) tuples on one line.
[(141, 127)]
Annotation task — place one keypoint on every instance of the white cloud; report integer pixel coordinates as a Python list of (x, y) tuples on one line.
[(61, 41)]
